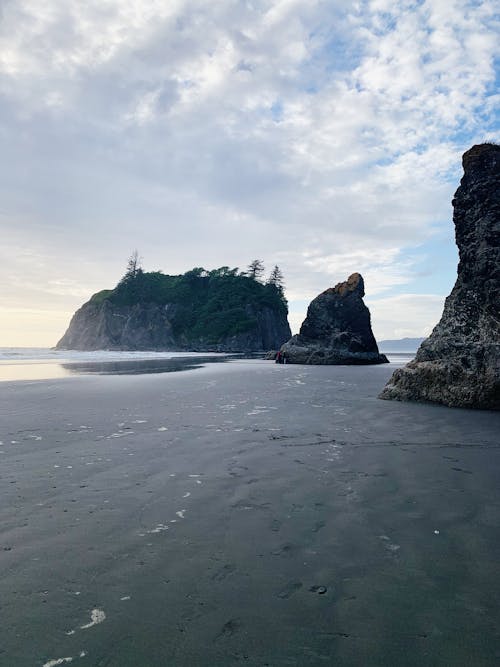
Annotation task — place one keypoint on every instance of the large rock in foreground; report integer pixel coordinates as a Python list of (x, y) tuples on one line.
[(459, 364), (337, 329)]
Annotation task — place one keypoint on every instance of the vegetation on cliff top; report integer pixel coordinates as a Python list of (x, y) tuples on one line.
[(209, 304)]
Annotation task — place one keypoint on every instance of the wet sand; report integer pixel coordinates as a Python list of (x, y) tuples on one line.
[(245, 513)]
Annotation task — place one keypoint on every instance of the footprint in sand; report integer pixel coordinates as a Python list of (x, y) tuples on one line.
[(229, 628), (318, 526), (289, 589), (225, 571)]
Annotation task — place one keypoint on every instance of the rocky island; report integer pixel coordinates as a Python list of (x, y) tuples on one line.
[(220, 310), (459, 364), (337, 329)]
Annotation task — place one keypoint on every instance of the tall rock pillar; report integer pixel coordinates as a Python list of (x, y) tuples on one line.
[(459, 364)]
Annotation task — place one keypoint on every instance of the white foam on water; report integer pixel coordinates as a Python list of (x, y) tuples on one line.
[(163, 428), (186, 495), (195, 475), (37, 354), (125, 597), (388, 544), (57, 661), (198, 481), (159, 528), (140, 421), (181, 513), (96, 616), (63, 661)]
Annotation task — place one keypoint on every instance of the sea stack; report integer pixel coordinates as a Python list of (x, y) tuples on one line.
[(459, 364), (337, 329), (199, 311)]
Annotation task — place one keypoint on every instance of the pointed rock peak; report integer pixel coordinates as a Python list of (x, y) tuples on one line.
[(337, 329), (354, 283)]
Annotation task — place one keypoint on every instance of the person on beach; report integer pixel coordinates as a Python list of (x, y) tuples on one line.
[(278, 358)]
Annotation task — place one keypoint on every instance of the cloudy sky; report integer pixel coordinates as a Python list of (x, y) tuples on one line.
[(321, 135)]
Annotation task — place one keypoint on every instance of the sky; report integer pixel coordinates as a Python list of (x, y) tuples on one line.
[(324, 136)]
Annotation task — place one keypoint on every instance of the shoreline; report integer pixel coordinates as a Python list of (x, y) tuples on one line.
[(112, 363)]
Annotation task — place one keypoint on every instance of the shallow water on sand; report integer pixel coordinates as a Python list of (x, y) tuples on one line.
[(42, 364), (18, 364)]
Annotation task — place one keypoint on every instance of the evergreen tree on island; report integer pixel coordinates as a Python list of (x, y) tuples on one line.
[(276, 278), (256, 269), (134, 268)]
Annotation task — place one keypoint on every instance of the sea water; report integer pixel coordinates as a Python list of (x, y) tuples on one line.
[(40, 363)]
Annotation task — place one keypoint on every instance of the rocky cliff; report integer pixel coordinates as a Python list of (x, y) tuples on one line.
[(459, 364), (337, 329), (199, 311)]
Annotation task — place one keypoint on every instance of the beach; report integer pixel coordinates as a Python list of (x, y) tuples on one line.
[(245, 513)]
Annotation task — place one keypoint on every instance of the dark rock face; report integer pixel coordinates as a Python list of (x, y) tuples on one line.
[(144, 326), (459, 364), (337, 329)]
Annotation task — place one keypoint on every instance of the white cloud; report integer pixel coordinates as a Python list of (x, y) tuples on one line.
[(324, 136)]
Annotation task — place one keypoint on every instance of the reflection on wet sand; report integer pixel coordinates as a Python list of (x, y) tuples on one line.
[(43, 370), (140, 366)]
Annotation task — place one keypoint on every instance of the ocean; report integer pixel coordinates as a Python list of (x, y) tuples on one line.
[(43, 363)]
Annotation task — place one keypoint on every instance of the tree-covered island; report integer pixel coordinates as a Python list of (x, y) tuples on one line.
[(223, 309)]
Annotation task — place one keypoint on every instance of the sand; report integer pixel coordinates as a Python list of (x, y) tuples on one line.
[(245, 514)]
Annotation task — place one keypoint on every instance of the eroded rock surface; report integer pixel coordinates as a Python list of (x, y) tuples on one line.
[(149, 326), (337, 329), (459, 364)]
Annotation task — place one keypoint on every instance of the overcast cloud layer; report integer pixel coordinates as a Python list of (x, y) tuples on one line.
[(324, 136)]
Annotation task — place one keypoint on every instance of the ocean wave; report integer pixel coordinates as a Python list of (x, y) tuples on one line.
[(39, 354)]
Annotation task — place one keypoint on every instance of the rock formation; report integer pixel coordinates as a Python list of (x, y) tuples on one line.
[(150, 327), (459, 364), (337, 329), (199, 311)]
